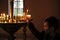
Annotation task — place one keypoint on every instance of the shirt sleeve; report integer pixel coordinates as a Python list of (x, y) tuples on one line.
[(35, 32)]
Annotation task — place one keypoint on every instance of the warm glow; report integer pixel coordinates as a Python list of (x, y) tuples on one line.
[(4, 15), (16, 13), (28, 16), (10, 13), (5, 21), (7, 17), (20, 14), (27, 10)]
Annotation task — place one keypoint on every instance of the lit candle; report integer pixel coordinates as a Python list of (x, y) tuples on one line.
[(14, 21), (27, 10), (28, 18), (4, 16), (1, 16), (7, 17), (10, 21), (5, 21), (20, 16)]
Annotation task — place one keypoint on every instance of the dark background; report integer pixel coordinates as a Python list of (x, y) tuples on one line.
[(39, 9)]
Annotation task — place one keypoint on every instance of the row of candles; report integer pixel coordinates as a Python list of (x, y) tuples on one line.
[(5, 18)]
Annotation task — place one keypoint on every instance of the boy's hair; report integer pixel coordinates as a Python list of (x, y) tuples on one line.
[(52, 22)]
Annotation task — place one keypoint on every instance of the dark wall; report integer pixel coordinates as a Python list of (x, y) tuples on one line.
[(4, 6), (39, 9)]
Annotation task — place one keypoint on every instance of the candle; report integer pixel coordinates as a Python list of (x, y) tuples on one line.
[(5, 21), (1, 16), (4, 16), (20, 16), (27, 18), (10, 21), (27, 10), (7, 17)]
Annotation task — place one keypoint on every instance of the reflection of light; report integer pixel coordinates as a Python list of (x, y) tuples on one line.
[(12, 21), (20, 14), (5, 21), (21, 0)]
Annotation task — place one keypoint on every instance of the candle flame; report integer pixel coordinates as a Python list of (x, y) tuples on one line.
[(27, 10)]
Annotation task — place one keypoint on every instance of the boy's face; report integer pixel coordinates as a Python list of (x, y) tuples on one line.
[(45, 26)]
